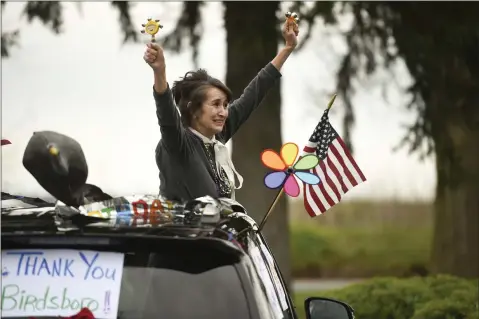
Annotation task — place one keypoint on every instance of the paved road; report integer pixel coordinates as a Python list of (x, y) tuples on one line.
[(322, 284)]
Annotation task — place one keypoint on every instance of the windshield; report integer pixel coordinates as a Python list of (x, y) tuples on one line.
[(186, 279)]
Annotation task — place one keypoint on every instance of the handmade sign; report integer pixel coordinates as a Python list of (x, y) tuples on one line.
[(286, 168), (151, 27), (56, 283)]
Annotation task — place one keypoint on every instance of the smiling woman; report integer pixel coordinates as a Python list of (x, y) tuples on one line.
[(191, 155)]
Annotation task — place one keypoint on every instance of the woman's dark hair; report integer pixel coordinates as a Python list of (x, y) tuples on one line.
[(192, 88)]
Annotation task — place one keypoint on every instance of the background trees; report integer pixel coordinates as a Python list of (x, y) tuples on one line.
[(439, 43)]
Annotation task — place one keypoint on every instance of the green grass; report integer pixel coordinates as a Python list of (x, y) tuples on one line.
[(362, 239), (360, 213), (325, 251)]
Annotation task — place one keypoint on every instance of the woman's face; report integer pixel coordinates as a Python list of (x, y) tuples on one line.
[(210, 119)]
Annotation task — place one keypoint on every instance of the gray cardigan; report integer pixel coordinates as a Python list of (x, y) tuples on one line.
[(181, 159)]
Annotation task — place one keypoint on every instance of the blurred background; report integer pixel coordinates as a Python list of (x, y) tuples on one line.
[(77, 68)]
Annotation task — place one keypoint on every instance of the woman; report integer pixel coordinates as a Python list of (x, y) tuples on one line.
[(191, 155)]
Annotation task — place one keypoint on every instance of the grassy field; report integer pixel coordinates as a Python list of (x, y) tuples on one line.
[(361, 239)]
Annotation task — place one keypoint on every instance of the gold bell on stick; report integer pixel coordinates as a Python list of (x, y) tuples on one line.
[(292, 16), (151, 27)]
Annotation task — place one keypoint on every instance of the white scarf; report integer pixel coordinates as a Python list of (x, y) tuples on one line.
[(223, 160)]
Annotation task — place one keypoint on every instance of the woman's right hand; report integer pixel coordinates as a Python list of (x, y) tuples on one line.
[(154, 57)]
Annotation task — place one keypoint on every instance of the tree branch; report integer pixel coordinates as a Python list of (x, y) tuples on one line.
[(130, 33), (323, 9), (367, 40), (9, 39), (188, 26), (50, 13)]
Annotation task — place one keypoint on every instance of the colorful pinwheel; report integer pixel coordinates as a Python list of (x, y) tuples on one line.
[(285, 170)]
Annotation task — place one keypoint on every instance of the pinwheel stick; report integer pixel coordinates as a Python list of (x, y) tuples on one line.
[(281, 191), (270, 210)]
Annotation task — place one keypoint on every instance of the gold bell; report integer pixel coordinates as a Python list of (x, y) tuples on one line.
[(292, 16), (151, 27)]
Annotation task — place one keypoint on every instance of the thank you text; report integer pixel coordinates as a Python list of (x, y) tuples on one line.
[(60, 282)]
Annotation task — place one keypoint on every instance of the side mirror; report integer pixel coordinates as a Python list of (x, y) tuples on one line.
[(58, 164), (326, 308)]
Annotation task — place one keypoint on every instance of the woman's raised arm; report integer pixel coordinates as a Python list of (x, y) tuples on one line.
[(172, 131), (241, 108)]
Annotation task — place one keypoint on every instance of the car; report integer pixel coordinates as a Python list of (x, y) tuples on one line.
[(142, 256)]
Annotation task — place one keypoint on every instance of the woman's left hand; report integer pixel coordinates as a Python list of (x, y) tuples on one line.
[(290, 33)]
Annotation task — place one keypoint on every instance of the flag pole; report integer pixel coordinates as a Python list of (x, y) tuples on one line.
[(332, 101), (278, 196)]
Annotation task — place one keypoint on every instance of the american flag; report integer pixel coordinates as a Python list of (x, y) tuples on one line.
[(337, 169)]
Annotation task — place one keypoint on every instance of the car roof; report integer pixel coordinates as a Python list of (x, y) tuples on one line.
[(144, 215)]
